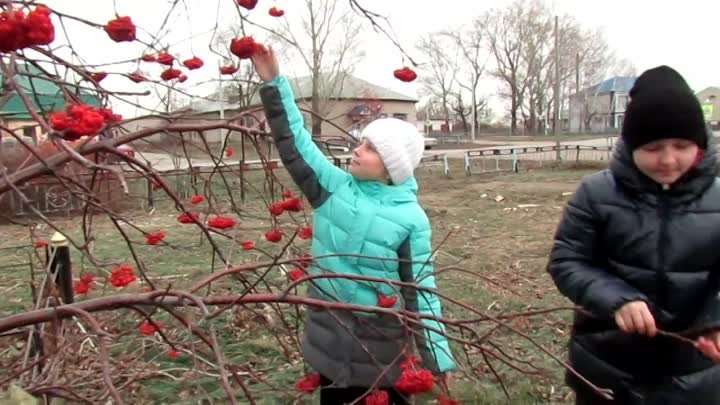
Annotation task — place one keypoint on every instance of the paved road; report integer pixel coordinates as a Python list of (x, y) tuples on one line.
[(164, 162)]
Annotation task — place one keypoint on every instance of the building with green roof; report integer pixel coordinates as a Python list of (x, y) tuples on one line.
[(45, 96)]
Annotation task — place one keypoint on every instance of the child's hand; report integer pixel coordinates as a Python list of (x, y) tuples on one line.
[(635, 317), (266, 64), (710, 345)]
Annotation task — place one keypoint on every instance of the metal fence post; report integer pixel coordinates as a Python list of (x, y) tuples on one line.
[(149, 192), (61, 267)]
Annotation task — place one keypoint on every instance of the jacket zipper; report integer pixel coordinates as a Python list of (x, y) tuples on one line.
[(664, 212)]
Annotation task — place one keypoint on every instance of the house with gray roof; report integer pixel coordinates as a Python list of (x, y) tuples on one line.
[(347, 103), (601, 108)]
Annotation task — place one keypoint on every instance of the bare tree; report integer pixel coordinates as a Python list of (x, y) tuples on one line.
[(326, 39), (538, 57), (474, 57), (623, 67), (432, 107), (594, 58), (521, 39), (577, 48), (439, 74), (456, 61), (505, 35), (594, 63), (465, 112)]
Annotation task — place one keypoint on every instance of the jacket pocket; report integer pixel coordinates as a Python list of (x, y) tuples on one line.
[(702, 387), (381, 339), (597, 371)]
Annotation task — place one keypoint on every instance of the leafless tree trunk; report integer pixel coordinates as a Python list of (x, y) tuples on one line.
[(474, 58), (439, 77), (506, 38), (623, 67), (520, 38), (326, 39), (537, 55), (461, 110), (594, 63)]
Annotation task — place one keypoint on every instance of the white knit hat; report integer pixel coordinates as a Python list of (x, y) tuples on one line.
[(399, 144)]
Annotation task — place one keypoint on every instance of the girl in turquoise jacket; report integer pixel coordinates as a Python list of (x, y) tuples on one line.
[(367, 223)]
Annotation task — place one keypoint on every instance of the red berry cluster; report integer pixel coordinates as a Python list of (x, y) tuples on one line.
[(19, 31), (121, 29), (188, 217), (154, 238), (221, 222), (405, 74), (292, 204), (84, 285), (81, 120), (244, 48), (122, 276)]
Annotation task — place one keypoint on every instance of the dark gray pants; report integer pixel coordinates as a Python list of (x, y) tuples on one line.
[(342, 396)]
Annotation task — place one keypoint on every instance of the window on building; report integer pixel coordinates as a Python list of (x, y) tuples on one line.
[(623, 102), (400, 116), (29, 132)]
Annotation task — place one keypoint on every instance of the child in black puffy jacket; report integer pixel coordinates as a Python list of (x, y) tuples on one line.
[(638, 247)]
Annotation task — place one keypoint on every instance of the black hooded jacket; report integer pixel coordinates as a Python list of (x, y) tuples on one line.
[(624, 238)]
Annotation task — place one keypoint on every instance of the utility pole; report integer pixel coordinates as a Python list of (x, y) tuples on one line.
[(428, 128), (577, 73), (556, 112), (474, 116), (577, 85)]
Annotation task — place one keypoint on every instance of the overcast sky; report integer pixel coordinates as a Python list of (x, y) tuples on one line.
[(682, 34)]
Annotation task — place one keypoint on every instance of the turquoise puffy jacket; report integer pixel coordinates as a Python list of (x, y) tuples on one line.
[(353, 221)]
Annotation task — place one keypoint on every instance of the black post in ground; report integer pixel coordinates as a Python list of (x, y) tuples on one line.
[(149, 193), (61, 268)]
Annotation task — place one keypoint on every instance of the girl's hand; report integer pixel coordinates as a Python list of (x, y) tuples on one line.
[(635, 317), (265, 62), (710, 345)]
